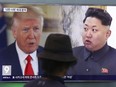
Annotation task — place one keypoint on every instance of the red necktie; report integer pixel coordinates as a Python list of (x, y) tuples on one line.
[(29, 69)]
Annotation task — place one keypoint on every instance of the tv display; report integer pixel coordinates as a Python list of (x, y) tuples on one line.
[(66, 19)]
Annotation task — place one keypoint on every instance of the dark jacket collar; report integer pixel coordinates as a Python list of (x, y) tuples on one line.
[(57, 78), (96, 55)]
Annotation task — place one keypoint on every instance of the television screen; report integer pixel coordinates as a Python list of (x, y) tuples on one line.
[(65, 19)]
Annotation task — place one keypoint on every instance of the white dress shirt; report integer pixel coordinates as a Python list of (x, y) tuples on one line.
[(22, 58)]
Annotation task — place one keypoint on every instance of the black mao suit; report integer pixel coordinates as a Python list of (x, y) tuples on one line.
[(101, 62)]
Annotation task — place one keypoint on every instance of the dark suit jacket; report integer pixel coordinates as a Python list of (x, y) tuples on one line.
[(46, 82), (9, 56), (101, 62)]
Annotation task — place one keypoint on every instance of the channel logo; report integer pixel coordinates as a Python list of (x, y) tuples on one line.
[(6, 70)]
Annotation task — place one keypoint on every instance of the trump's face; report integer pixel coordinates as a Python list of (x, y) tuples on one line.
[(95, 34), (27, 33)]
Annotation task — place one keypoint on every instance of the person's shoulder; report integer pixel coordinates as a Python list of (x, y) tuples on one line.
[(31, 83), (54, 83), (79, 48), (8, 49), (6, 53), (44, 83), (78, 51), (112, 49), (40, 49)]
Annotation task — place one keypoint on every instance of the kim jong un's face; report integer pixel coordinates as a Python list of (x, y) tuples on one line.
[(95, 34)]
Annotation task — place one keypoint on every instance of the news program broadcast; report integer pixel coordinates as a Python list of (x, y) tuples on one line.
[(25, 27)]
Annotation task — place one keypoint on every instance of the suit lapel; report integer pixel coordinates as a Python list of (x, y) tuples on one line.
[(16, 68), (40, 71)]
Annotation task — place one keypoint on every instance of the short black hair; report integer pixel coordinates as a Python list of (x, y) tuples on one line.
[(52, 67), (101, 14)]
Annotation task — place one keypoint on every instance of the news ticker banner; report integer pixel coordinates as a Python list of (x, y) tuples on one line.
[(7, 76), (74, 78), (68, 78)]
